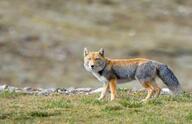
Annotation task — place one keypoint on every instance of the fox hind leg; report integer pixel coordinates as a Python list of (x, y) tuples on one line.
[(150, 90), (153, 90), (157, 89)]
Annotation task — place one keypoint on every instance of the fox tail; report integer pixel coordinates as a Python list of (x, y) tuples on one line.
[(168, 77)]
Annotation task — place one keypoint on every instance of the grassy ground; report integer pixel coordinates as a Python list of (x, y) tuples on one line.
[(19, 108)]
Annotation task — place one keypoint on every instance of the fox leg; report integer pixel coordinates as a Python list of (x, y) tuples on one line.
[(104, 91), (113, 85), (157, 90), (150, 90)]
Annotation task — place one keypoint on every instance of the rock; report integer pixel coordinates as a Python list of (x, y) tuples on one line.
[(19, 90), (83, 89), (3, 87), (46, 92), (38, 89), (11, 88), (43, 93), (27, 89), (52, 90), (70, 90), (61, 90), (166, 91), (98, 90)]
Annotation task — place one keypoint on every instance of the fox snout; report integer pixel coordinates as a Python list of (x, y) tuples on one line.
[(92, 66)]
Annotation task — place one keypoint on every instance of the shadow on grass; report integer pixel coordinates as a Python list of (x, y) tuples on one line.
[(93, 101), (112, 108), (130, 104), (28, 115), (61, 103), (42, 114)]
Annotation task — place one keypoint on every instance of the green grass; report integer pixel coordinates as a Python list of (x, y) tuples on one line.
[(20, 108)]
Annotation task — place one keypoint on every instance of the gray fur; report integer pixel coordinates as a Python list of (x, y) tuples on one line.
[(127, 72), (167, 76), (146, 72)]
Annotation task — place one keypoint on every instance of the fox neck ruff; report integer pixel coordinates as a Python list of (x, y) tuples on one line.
[(101, 71)]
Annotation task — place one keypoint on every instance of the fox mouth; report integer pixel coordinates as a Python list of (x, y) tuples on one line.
[(93, 68)]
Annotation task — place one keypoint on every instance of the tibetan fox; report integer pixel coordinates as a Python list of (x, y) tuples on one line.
[(113, 71)]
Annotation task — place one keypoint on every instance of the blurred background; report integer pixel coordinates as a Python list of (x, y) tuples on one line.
[(42, 41)]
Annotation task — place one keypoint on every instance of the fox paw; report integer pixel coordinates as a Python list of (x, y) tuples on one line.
[(100, 98), (112, 98), (144, 100)]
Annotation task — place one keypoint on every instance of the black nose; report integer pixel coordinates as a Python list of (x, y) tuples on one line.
[(92, 66)]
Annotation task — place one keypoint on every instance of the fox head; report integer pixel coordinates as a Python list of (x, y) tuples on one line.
[(94, 60)]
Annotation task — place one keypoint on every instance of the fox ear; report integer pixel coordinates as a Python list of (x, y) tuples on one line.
[(101, 52), (86, 52)]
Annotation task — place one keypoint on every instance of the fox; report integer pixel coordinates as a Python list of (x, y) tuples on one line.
[(114, 71)]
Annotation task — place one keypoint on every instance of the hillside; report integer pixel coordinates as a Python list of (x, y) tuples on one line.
[(41, 42)]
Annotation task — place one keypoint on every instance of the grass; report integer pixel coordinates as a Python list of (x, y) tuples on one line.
[(20, 108)]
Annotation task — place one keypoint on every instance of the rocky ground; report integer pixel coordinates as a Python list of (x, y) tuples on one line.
[(65, 91)]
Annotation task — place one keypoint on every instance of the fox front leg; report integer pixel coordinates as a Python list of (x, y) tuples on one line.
[(112, 85), (104, 91)]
